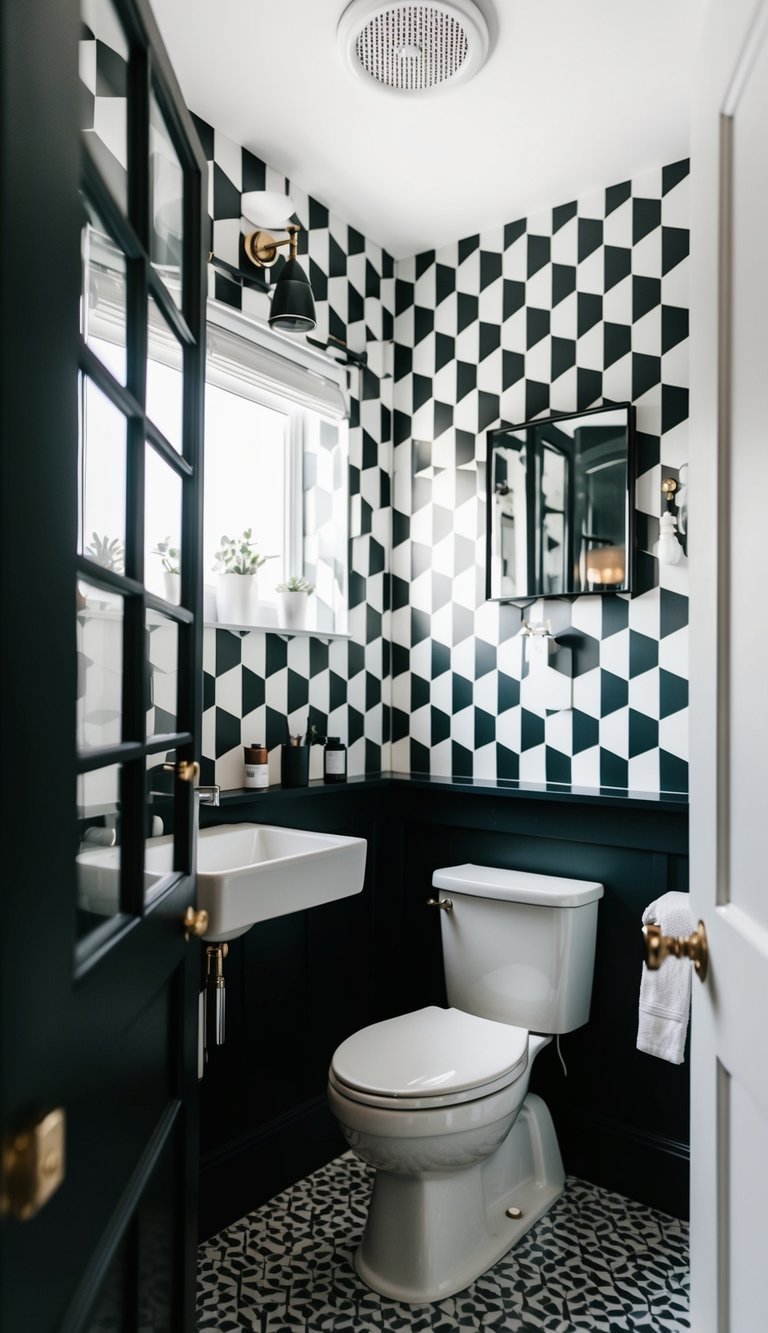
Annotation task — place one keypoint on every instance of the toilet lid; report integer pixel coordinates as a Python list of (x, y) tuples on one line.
[(431, 1055)]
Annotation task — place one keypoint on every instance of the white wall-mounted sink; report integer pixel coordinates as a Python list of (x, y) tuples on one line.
[(246, 873), (251, 872)]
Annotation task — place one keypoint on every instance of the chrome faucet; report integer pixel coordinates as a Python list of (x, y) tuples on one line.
[(208, 795)]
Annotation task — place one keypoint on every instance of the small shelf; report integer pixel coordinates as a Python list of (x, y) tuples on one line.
[(278, 629)]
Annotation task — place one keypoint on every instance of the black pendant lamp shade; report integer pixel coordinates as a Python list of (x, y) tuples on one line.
[(293, 306)]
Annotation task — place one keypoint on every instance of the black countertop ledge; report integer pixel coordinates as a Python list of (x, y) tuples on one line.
[(506, 789)]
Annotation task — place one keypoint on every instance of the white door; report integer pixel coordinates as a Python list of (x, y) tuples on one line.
[(729, 669)]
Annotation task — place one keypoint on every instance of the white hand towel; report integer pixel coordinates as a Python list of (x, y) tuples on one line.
[(665, 996)]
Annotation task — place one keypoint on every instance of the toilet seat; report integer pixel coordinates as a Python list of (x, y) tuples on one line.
[(429, 1058)]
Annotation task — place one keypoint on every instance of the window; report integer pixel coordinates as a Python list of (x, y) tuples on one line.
[(275, 450)]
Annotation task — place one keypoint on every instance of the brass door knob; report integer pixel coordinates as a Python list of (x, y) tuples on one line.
[(195, 922), (658, 947), (444, 903)]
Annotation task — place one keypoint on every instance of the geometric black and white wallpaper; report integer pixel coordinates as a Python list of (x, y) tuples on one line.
[(582, 305), (579, 306)]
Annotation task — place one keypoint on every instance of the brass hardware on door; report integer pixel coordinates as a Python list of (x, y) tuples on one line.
[(658, 947), (33, 1166), (444, 903), (195, 922), (186, 770)]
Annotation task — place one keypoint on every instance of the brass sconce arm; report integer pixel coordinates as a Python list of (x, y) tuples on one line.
[(261, 246)]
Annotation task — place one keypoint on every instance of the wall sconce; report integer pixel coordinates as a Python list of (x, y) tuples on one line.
[(669, 550), (293, 305)]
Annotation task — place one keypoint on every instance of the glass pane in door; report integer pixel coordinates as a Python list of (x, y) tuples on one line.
[(165, 384), (163, 659), (101, 488), (162, 523), (166, 184), (99, 666), (161, 808), (98, 855), (103, 308), (103, 65)]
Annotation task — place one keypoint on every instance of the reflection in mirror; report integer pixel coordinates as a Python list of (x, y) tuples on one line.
[(560, 506)]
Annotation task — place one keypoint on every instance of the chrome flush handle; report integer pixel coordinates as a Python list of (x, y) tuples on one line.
[(444, 903)]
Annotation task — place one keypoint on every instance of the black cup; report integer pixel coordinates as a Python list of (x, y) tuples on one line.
[(294, 765)]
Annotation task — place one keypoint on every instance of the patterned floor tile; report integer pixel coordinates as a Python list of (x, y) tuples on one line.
[(596, 1261)]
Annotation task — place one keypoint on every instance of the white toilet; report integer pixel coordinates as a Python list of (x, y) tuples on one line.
[(436, 1099)]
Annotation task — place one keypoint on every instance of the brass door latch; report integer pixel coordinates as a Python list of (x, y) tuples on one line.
[(34, 1165), (694, 946), (194, 922)]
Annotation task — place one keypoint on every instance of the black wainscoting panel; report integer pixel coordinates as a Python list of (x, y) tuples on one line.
[(298, 985)]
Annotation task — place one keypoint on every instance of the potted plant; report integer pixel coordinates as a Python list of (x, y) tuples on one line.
[(237, 565), (170, 556), (107, 552), (293, 601)]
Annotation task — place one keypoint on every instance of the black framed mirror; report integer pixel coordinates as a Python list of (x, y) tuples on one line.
[(561, 505)]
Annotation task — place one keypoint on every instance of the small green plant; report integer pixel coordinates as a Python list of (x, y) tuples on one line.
[(110, 554), (238, 555), (296, 584), (170, 555)]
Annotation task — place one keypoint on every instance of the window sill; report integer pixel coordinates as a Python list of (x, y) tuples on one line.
[(282, 630)]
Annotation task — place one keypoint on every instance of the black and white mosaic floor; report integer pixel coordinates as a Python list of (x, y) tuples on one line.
[(597, 1261)]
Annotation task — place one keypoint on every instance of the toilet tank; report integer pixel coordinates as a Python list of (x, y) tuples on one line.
[(518, 947)]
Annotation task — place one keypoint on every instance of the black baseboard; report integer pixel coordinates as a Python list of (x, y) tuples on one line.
[(653, 1170), (244, 1174)]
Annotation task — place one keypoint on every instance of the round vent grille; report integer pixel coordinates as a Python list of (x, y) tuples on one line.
[(412, 48)]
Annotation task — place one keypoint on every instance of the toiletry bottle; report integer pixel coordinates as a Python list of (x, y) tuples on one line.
[(256, 767), (335, 760)]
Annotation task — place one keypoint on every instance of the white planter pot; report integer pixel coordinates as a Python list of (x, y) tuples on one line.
[(293, 610), (236, 598), (172, 586)]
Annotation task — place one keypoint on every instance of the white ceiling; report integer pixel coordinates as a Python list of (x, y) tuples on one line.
[(575, 95)]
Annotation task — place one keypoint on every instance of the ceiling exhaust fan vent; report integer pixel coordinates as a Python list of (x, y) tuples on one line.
[(413, 48)]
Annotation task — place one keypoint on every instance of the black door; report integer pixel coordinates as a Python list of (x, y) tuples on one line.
[(100, 250)]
